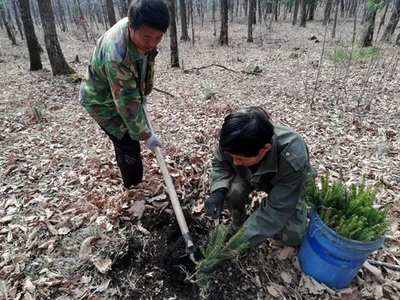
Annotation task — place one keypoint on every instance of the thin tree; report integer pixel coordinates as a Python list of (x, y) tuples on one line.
[(295, 11), (62, 16), (223, 37), (372, 6), (173, 35), (7, 25), (250, 21), (111, 13), (184, 23), (382, 21), (391, 26), (214, 8), (31, 39), (327, 12), (335, 19), (17, 20), (58, 63), (303, 17)]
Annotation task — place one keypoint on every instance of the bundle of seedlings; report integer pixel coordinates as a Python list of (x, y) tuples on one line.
[(221, 247), (349, 212)]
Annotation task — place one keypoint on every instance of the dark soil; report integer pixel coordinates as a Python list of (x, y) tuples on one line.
[(160, 268)]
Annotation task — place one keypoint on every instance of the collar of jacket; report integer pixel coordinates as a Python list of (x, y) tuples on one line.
[(269, 164), (134, 54)]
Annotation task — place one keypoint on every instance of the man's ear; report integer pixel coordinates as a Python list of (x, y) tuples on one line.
[(266, 148)]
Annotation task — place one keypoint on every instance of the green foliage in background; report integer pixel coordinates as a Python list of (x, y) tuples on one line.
[(363, 55), (350, 213), (219, 250), (375, 5)]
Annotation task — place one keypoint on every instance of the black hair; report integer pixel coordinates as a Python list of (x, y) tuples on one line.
[(150, 13), (246, 131)]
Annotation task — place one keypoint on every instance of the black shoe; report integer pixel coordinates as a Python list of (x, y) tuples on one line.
[(213, 268)]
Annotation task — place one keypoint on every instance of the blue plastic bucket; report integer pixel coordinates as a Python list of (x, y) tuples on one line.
[(330, 258)]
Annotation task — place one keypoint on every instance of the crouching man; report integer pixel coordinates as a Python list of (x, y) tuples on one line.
[(254, 154)]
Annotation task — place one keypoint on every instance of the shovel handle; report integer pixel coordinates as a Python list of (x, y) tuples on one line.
[(190, 247)]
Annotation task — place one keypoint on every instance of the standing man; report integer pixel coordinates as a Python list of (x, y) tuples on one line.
[(119, 77), (254, 154)]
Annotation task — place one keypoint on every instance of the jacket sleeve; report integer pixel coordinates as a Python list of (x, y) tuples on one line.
[(276, 209), (222, 170), (127, 99)]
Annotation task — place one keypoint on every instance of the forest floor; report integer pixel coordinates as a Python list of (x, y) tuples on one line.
[(68, 228)]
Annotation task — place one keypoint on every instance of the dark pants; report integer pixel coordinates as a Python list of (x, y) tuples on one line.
[(127, 154)]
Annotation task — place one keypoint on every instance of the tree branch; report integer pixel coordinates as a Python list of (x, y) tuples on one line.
[(161, 91), (383, 264)]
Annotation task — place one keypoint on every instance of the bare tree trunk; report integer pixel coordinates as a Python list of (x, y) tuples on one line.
[(231, 7), (17, 20), (327, 11), (393, 21), (62, 16), (103, 9), (173, 35), (250, 22), (313, 6), (9, 30), (1, 23), (237, 8), (335, 19), (368, 36), (111, 13), (275, 8), (214, 8), (223, 37), (31, 39), (184, 24), (382, 21), (58, 63), (295, 11), (303, 19), (191, 20)]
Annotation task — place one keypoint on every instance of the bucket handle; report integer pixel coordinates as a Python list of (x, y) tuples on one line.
[(318, 228)]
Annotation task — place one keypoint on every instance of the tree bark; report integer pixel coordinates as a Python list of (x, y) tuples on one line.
[(250, 21), (223, 37), (327, 11), (17, 20), (303, 19), (184, 23), (111, 13), (173, 35), (58, 63), (368, 36), (335, 19), (295, 11), (393, 21), (6, 23), (31, 39), (62, 16)]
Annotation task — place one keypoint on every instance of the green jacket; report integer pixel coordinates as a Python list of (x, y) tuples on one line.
[(281, 174), (113, 89)]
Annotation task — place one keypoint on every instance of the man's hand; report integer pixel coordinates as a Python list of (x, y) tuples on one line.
[(215, 203), (152, 142)]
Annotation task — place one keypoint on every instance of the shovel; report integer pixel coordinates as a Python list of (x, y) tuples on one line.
[(190, 247)]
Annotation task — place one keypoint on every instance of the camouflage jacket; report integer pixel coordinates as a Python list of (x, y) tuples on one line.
[(281, 174), (113, 89)]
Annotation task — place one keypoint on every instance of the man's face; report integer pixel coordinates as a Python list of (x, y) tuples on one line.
[(240, 160), (145, 38)]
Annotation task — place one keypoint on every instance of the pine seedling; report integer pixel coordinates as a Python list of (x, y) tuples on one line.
[(218, 250), (349, 213)]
